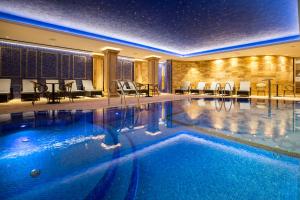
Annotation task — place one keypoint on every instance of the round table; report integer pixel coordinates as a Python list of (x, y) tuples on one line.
[(52, 99), (269, 86), (277, 89)]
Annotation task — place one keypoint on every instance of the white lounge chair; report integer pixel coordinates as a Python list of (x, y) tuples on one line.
[(29, 90), (72, 89), (5, 85), (126, 87), (200, 88), (89, 88), (261, 88), (184, 88), (245, 88), (214, 87)]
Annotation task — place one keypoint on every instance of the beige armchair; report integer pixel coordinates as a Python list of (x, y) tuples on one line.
[(289, 88), (261, 87)]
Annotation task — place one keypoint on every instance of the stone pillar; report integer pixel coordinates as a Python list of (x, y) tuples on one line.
[(98, 72), (153, 70), (110, 67)]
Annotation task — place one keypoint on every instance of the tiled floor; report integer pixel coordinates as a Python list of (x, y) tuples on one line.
[(82, 103)]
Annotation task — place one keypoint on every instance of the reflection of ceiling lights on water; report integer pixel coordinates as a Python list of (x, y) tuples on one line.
[(123, 130), (25, 139), (153, 133), (161, 121), (138, 127), (108, 147), (192, 110), (98, 137), (25, 149)]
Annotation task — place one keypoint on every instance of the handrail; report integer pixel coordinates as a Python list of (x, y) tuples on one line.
[(218, 86), (219, 108), (136, 92), (231, 103), (121, 87), (230, 89)]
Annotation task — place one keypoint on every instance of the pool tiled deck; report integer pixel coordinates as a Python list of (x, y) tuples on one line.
[(101, 102)]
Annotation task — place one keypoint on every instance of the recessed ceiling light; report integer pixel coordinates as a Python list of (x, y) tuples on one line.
[(137, 59), (153, 56), (111, 48), (99, 54)]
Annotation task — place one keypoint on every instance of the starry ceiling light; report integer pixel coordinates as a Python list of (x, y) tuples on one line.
[(176, 27)]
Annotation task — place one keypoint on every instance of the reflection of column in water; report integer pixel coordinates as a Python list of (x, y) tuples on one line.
[(253, 125), (112, 123), (163, 111), (153, 118), (269, 108), (169, 111)]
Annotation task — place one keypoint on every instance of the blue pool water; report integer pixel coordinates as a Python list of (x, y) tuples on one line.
[(154, 151)]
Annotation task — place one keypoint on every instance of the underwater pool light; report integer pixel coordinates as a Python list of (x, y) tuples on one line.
[(35, 173), (25, 139)]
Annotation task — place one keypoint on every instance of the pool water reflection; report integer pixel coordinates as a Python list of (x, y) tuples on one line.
[(271, 123), (107, 153)]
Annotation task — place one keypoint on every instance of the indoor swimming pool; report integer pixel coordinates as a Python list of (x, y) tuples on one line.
[(186, 149)]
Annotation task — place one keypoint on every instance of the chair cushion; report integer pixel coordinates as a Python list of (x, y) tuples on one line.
[(5, 85)]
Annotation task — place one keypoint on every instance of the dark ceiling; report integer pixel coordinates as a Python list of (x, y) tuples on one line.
[(180, 26)]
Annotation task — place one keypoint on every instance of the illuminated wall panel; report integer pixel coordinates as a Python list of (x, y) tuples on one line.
[(18, 62)]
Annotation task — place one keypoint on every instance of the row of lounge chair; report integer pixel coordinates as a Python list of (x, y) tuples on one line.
[(32, 89), (215, 87), (70, 89), (128, 87)]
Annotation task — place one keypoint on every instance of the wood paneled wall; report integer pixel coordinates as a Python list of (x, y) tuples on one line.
[(254, 69)]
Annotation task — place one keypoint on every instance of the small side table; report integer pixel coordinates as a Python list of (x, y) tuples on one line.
[(277, 89), (148, 94), (269, 86), (52, 99)]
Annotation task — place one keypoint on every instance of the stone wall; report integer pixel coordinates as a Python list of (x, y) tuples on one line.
[(254, 69)]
